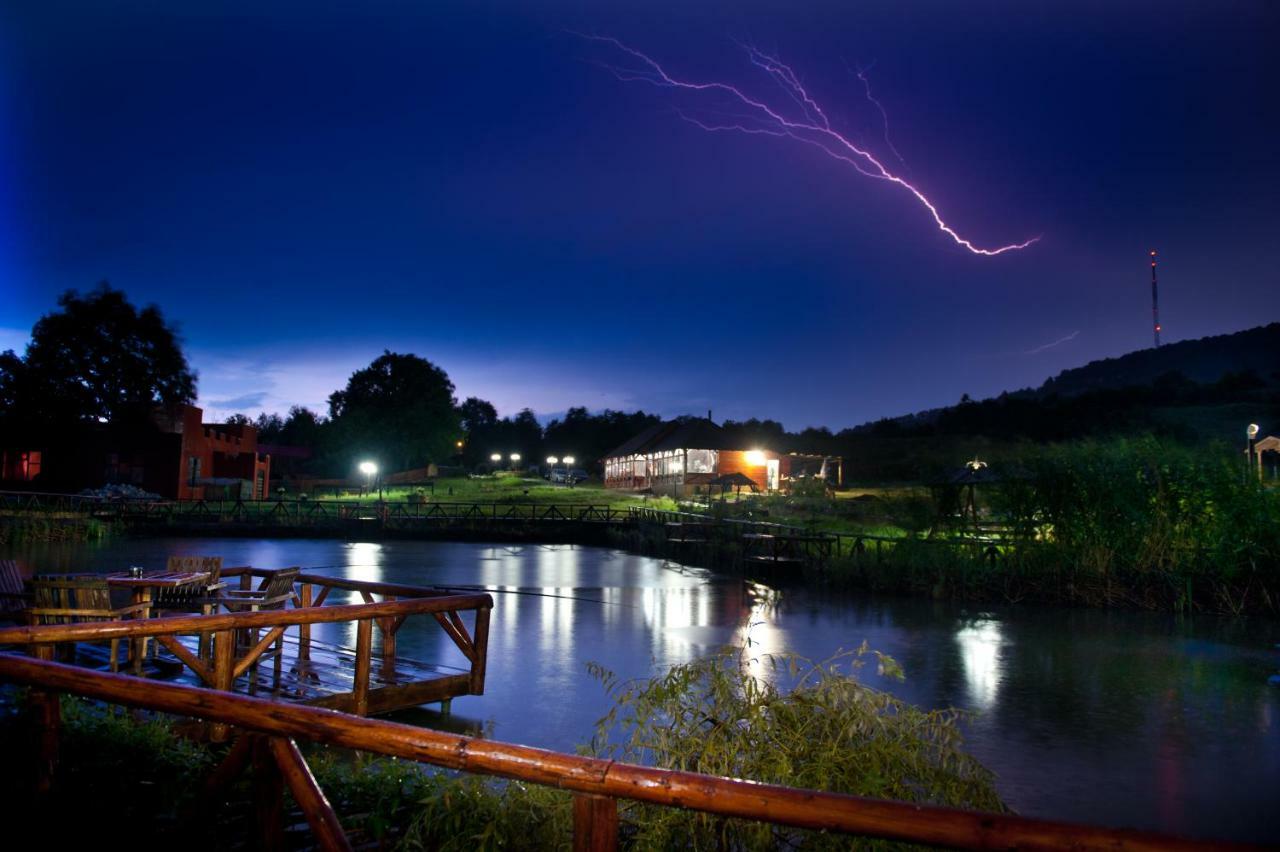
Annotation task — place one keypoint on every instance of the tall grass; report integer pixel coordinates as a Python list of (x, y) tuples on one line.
[(1132, 522)]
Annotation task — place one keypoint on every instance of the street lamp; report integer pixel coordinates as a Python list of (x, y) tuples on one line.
[(568, 460), (515, 461), (369, 469), (1250, 432)]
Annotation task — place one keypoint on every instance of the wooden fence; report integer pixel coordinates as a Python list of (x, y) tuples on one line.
[(269, 729), (397, 683)]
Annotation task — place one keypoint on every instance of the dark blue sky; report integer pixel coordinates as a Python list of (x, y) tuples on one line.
[(302, 187)]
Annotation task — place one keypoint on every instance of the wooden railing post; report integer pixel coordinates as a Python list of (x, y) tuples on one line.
[(307, 793), (364, 650), (223, 672), (268, 797), (595, 823), (389, 628), (480, 642), (304, 630), (48, 719)]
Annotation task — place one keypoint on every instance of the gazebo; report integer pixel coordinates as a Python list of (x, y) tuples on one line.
[(1269, 444)]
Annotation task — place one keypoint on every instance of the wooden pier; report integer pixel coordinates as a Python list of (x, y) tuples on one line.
[(370, 678)]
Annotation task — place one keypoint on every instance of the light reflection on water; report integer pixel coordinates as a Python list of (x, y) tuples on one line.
[(980, 650), (1109, 717)]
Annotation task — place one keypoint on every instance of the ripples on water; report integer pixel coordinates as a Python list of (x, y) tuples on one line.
[(1116, 718)]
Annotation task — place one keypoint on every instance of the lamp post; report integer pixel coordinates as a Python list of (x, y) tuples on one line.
[(496, 458), (568, 472), (1250, 433), (370, 470), (515, 461)]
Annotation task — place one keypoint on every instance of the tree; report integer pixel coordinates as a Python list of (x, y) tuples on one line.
[(239, 420), (479, 423), (98, 358), (302, 428), (399, 411)]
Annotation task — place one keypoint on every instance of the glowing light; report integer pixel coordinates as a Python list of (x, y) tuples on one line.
[(1252, 431), (980, 650), (495, 457), (368, 468), (811, 126), (552, 460), (755, 458), (569, 460), (515, 457)]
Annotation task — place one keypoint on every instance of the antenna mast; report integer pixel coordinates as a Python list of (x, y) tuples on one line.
[(1155, 299)]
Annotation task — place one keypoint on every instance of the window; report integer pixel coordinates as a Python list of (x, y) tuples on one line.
[(702, 461), (193, 464)]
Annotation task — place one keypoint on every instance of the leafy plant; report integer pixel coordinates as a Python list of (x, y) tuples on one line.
[(784, 720)]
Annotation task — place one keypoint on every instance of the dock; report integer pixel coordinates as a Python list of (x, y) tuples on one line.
[(272, 653)]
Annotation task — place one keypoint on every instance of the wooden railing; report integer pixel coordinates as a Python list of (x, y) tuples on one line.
[(272, 512), (597, 784), (221, 669)]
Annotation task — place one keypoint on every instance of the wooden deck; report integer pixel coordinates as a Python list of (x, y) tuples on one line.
[(240, 657), (324, 678)]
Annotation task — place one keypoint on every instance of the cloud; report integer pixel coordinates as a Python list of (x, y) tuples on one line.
[(248, 400)]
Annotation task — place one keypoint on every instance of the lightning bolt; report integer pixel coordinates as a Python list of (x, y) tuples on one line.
[(1072, 336), (884, 116), (811, 126)]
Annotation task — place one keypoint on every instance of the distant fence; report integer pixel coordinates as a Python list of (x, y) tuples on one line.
[(426, 516)]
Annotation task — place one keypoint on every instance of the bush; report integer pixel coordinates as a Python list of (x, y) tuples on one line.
[(826, 731)]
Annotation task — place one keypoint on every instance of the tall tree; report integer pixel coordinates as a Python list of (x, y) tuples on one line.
[(399, 411), (100, 358)]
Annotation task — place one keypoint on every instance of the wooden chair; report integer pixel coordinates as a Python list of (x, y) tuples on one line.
[(15, 600), (274, 592), (199, 598), (72, 598), (196, 598)]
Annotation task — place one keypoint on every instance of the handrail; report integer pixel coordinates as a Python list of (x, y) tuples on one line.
[(28, 634), (596, 776), (373, 587)]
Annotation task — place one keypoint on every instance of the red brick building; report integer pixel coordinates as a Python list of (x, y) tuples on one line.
[(176, 456)]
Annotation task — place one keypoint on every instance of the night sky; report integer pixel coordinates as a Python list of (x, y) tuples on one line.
[(301, 188)]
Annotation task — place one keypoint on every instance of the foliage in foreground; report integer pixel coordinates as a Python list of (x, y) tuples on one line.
[(783, 720)]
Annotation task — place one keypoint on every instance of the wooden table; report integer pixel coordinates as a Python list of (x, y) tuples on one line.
[(142, 588)]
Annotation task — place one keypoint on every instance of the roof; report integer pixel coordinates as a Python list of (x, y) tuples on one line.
[(699, 434), (636, 444)]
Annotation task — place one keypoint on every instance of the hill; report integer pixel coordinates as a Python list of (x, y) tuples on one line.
[(1203, 361)]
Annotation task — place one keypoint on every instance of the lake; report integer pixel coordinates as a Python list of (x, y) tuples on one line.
[(1116, 718)]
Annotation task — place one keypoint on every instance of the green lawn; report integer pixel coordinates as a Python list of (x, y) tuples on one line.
[(513, 489)]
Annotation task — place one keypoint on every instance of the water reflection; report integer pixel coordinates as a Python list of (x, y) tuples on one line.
[(1118, 718), (364, 561), (980, 651)]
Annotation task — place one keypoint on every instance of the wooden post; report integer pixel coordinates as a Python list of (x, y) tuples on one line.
[(223, 674), (304, 630), (595, 823), (389, 628), (48, 718), (364, 649), (480, 642), (307, 793), (268, 797)]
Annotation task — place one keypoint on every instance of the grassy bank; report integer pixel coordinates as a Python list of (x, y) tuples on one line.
[(826, 731), (21, 528)]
